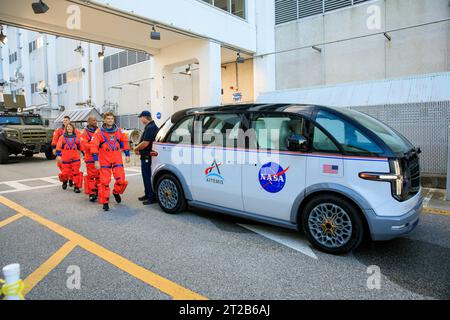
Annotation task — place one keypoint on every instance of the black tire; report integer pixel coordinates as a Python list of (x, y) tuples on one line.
[(49, 154), (28, 154), (350, 212), (4, 154), (176, 198)]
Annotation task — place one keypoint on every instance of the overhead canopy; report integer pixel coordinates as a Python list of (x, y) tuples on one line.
[(100, 24), (79, 115)]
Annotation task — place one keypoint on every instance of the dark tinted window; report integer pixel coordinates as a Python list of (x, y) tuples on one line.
[(182, 132), (9, 120), (33, 121), (273, 131), (221, 130)]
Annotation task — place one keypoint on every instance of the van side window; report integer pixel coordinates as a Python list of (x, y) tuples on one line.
[(351, 139), (221, 130), (182, 132), (321, 142), (273, 131)]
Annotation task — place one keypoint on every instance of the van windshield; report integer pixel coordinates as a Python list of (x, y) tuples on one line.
[(396, 142)]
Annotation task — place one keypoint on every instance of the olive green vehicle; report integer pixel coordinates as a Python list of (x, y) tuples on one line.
[(23, 134)]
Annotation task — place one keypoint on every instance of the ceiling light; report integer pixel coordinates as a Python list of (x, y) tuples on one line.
[(154, 35), (3, 38), (39, 7), (239, 58), (101, 54)]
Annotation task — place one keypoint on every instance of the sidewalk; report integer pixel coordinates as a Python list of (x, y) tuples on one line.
[(435, 202)]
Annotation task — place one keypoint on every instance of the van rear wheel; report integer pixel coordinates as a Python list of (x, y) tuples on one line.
[(170, 194), (332, 224)]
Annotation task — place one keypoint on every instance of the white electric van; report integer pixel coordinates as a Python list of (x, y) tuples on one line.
[(335, 173)]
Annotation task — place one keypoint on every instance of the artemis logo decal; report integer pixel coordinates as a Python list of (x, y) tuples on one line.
[(272, 177), (213, 174)]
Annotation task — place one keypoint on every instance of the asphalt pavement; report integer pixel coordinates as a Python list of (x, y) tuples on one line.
[(137, 252)]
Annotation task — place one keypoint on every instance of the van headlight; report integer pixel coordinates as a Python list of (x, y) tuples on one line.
[(395, 178)]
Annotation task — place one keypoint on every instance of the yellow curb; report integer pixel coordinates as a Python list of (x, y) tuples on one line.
[(436, 211)]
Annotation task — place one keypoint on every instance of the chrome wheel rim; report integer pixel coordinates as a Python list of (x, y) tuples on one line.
[(168, 194), (330, 225)]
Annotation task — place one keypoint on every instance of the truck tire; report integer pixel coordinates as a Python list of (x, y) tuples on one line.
[(49, 154), (170, 194), (332, 224), (4, 154)]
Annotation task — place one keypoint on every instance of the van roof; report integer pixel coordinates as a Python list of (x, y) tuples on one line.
[(304, 109)]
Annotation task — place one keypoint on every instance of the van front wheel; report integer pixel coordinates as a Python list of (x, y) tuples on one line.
[(332, 224), (170, 194)]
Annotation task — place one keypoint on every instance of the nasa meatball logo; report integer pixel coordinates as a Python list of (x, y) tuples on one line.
[(272, 177)]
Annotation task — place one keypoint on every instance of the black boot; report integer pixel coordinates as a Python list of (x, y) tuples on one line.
[(93, 198), (64, 185), (76, 190), (142, 199), (106, 207), (118, 198), (70, 183)]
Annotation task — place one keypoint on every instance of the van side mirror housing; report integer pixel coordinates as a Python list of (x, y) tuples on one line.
[(298, 143)]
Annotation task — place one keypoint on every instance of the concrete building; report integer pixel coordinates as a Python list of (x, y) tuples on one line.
[(379, 56)]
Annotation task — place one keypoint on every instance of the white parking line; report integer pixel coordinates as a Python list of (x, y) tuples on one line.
[(287, 238), (18, 186)]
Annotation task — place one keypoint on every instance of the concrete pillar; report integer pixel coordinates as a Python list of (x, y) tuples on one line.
[(264, 65), (204, 52), (97, 77)]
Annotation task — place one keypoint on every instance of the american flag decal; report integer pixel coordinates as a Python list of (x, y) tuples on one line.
[(330, 169)]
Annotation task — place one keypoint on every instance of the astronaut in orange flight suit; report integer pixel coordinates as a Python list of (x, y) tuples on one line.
[(58, 134), (92, 178), (68, 156), (107, 144)]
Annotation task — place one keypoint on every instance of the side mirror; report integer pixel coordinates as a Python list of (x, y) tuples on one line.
[(298, 143)]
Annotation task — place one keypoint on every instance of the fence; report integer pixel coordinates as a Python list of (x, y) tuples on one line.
[(426, 125)]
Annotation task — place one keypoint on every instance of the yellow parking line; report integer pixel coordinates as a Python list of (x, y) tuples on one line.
[(10, 220), (436, 211), (168, 287), (40, 273)]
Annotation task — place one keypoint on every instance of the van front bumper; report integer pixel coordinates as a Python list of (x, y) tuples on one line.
[(387, 228)]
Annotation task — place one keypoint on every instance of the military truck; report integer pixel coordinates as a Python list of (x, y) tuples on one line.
[(22, 133)]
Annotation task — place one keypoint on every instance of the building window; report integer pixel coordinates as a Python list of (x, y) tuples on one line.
[(132, 57), (62, 79), (235, 7), (115, 61), (107, 64), (291, 10), (34, 88), (12, 58), (36, 44), (124, 59)]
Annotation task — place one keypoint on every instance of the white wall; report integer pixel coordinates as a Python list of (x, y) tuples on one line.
[(131, 99), (416, 51)]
